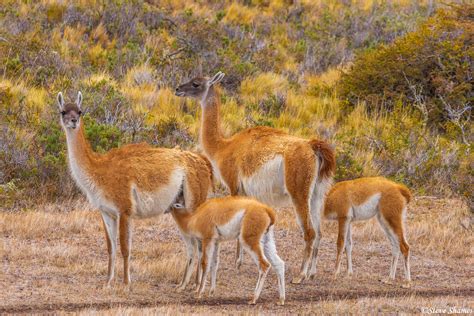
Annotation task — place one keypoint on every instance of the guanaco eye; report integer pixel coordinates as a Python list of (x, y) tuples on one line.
[(63, 112), (80, 112), (195, 85)]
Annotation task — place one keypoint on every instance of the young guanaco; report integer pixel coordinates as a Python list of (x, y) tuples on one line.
[(362, 199), (228, 218)]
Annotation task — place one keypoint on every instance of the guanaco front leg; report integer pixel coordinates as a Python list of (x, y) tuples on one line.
[(341, 237), (214, 266), (110, 226), (239, 256), (197, 283), (190, 262), (207, 252)]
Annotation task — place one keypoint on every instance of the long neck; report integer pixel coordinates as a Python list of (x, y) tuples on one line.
[(182, 218), (211, 136), (81, 156)]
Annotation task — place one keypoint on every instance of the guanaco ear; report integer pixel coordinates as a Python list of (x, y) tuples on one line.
[(217, 78), (60, 101), (79, 100)]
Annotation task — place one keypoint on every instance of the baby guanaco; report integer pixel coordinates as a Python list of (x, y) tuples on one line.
[(362, 199), (229, 218)]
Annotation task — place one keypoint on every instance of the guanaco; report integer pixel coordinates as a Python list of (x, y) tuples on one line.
[(228, 218), (268, 164), (362, 199), (133, 181)]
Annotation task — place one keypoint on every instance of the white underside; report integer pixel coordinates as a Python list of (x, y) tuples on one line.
[(267, 184), (148, 204), (364, 211), (232, 228)]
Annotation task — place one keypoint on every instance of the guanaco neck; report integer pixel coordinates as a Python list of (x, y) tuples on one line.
[(182, 218), (82, 158), (211, 136)]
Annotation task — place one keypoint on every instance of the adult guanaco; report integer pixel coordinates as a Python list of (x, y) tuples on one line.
[(362, 199), (228, 218), (133, 181), (267, 164)]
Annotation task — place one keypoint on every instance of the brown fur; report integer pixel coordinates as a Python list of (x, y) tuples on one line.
[(405, 192), (243, 154), (207, 222), (117, 173), (143, 165), (326, 154), (344, 198)]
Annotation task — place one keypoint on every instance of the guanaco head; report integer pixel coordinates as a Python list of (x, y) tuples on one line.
[(198, 87), (70, 112)]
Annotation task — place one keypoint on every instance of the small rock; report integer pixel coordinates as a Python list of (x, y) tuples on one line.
[(466, 222)]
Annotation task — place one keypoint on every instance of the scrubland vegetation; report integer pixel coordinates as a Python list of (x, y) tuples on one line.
[(389, 83)]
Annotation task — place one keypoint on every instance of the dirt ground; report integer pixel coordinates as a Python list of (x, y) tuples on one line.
[(54, 259)]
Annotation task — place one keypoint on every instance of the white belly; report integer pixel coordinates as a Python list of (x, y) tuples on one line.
[(366, 210), (231, 229), (148, 204), (267, 184)]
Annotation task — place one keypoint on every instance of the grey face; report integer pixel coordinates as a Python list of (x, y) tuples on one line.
[(195, 88), (70, 112), (71, 115)]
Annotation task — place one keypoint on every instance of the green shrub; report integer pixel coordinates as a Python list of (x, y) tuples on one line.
[(430, 69)]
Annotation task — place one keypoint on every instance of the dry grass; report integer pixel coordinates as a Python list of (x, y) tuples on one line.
[(54, 258), (385, 305)]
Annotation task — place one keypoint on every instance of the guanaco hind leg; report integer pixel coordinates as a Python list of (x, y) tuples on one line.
[(125, 233), (269, 248), (391, 220), (349, 249), (300, 187)]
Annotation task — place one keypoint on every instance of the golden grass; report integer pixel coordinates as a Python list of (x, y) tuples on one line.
[(99, 34), (240, 14), (263, 85)]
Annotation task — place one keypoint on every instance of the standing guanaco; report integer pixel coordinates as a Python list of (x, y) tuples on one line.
[(362, 199), (268, 164), (220, 219), (133, 181)]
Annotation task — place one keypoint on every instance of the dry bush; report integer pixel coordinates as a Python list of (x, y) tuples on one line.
[(282, 67)]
